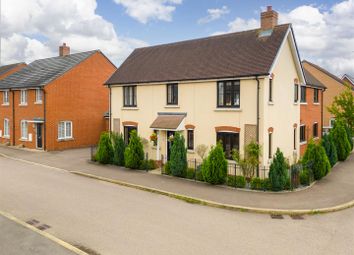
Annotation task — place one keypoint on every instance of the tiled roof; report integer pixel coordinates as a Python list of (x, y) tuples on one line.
[(324, 71), (7, 68), (312, 81), (231, 55), (168, 121), (41, 72), (349, 77)]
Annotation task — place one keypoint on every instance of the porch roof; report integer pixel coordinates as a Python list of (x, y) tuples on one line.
[(168, 121)]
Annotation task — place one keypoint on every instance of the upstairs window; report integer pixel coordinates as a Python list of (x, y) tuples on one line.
[(172, 94), (39, 96), (302, 134), (228, 94), (315, 96), (65, 130), (296, 93), (5, 98), (129, 96), (23, 97), (303, 94), (315, 129)]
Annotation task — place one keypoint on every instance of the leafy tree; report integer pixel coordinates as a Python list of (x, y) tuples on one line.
[(350, 136), (330, 148), (278, 173), (214, 168), (118, 149), (250, 162), (178, 158), (343, 107), (104, 153), (315, 158), (134, 153), (340, 138)]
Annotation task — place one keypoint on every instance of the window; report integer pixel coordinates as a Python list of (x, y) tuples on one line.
[(172, 94), (270, 90), (303, 94), (129, 96), (302, 133), (315, 129), (39, 95), (315, 95), (6, 128), (331, 122), (296, 93), (229, 142), (228, 94), (65, 130), (270, 151), (127, 133), (295, 138), (23, 97), (190, 139), (24, 130), (5, 97)]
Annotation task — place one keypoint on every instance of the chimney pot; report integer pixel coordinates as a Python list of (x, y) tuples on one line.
[(269, 19), (64, 50), (269, 8)]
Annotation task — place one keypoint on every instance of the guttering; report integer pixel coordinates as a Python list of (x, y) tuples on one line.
[(258, 117)]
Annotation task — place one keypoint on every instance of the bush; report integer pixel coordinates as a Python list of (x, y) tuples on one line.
[(134, 153), (315, 158), (330, 148), (167, 168), (147, 165), (256, 184), (341, 140), (104, 153), (266, 185), (305, 178), (190, 173), (118, 149), (199, 174), (278, 173), (178, 159), (350, 136), (214, 168), (236, 181)]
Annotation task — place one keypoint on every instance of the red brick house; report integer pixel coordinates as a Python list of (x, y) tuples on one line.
[(10, 69), (56, 103)]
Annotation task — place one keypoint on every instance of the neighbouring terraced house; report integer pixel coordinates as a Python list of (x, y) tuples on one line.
[(233, 88), (56, 103), (7, 70)]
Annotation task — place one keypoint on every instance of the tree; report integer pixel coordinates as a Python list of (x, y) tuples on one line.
[(134, 153), (214, 167), (118, 149), (104, 153), (250, 162), (201, 150), (315, 159), (350, 136), (343, 107), (330, 148), (341, 141), (178, 158), (278, 173)]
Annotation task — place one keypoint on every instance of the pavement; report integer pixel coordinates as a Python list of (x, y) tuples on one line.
[(112, 219), (17, 239), (335, 189)]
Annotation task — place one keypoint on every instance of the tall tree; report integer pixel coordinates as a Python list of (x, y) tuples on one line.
[(178, 160)]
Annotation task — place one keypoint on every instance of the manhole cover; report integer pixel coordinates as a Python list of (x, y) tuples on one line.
[(32, 222), (43, 227), (277, 216), (297, 217)]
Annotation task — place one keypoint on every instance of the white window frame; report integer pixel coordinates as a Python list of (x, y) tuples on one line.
[(39, 96), (6, 128), (330, 122), (63, 131), (24, 130), (23, 97), (5, 97)]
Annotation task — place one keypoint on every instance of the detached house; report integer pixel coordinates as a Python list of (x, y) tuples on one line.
[(56, 103), (10, 69), (233, 88)]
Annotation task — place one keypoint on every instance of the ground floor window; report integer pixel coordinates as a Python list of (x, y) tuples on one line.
[(294, 138), (315, 129), (127, 133), (229, 142), (302, 133), (24, 130), (65, 130), (6, 128), (270, 149), (190, 139), (331, 122)]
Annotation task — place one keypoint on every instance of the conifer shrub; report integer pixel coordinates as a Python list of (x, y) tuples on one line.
[(350, 136), (341, 141), (118, 149), (134, 152), (214, 168), (167, 168), (305, 177), (330, 148), (278, 173), (236, 181), (104, 153), (178, 158)]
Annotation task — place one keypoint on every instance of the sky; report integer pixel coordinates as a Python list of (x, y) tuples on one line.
[(33, 29)]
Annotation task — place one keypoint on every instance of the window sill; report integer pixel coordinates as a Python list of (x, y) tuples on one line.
[(316, 138), (316, 103), (65, 139), (270, 103), (190, 151), (133, 108), (296, 103), (22, 105), (23, 140), (172, 106), (6, 137), (39, 102), (303, 143), (228, 110), (5, 104), (303, 103)]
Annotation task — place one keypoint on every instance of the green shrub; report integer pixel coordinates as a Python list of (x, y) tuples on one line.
[(238, 181), (341, 140), (278, 173), (190, 173), (199, 174), (147, 165), (288, 185), (330, 148), (178, 158), (167, 168), (256, 183), (305, 177), (118, 149), (215, 166), (266, 185), (134, 153), (350, 136), (104, 154)]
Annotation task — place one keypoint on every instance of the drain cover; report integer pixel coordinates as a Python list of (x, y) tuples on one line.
[(43, 227), (277, 216), (297, 217), (32, 222)]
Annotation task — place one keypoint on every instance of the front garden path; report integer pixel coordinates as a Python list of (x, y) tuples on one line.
[(335, 189)]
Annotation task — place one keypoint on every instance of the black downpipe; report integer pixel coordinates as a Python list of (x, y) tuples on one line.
[(258, 117), (44, 121), (13, 118)]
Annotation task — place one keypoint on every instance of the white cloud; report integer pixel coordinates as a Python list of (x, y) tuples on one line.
[(37, 29), (214, 14), (146, 10)]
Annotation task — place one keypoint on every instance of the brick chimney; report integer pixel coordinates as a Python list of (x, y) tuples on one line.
[(269, 19), (64, 50)]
